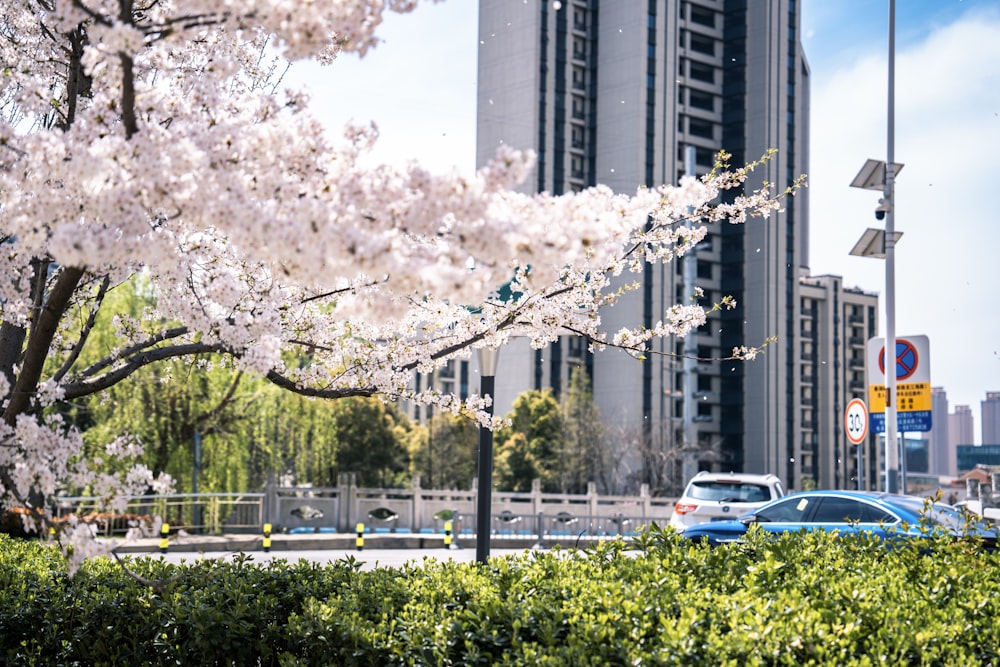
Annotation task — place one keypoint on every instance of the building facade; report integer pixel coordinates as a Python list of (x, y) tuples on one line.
[(621, 93), (961, 429), (943, 456), (836, 324), (990, 414)]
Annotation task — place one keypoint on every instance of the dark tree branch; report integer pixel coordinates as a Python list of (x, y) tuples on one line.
[(73, 390), (84, 333), (167, 334), (223, 403), (281, 381), (40, 340)]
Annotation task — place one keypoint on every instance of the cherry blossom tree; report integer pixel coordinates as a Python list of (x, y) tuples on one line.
[(153, 138)]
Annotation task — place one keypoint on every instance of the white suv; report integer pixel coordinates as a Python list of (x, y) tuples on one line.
[(717, 496)]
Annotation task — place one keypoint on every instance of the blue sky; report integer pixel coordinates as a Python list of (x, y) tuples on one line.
[(419, 86)]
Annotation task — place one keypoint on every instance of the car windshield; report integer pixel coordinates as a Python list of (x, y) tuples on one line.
[(724, 491)]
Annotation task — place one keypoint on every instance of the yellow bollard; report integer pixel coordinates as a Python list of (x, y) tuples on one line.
[(164, 537), (360, 541), (267, 537), (447, 534)]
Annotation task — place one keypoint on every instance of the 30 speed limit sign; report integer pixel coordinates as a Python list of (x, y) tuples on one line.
[(856, 421)]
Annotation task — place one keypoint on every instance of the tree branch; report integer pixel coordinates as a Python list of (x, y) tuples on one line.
[(40, 340), (74, 390), (166, 334), (281, 381), (85, 331)]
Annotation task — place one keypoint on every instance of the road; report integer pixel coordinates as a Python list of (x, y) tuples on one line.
[(371, 558)]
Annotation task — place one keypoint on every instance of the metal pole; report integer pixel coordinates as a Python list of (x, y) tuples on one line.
[(861, 468), (484, 493), (891, 445), (902, 463), (689, 462)]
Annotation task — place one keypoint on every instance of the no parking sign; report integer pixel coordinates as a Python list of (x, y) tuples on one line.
[(912, 364)]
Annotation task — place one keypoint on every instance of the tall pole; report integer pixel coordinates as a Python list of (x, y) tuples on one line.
[(689, 462), (891, 444), (484, 488)]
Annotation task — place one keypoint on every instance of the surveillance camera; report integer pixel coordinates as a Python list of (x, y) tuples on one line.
[(883, 207)]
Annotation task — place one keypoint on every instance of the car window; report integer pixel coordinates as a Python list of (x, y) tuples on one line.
[(843, 510), (734, 492), (792, 509)]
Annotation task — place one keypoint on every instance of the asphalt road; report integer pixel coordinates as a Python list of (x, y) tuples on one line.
[(371, 558)]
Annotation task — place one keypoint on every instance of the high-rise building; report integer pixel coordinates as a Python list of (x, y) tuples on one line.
[(943, 458), (837, 322), (961, 427), (990, 414), (620, 93)]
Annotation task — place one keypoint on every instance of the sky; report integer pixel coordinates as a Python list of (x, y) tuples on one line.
[(419, 87)]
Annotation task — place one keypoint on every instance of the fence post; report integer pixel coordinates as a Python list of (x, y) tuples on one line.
[(536, 495), (270, 498), (416, 506)]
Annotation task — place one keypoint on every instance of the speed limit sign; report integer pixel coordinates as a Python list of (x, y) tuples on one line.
[(856, 421)]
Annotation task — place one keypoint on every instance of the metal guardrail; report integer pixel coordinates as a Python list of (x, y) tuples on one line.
[(206, 513)]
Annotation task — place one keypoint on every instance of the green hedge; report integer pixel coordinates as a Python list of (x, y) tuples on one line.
[(794, 600)]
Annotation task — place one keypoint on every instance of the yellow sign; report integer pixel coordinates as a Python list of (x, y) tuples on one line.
[(910, 397)]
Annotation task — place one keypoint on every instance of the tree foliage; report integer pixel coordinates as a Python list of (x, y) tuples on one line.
[(446, 453), (586, 455), (529, 448)]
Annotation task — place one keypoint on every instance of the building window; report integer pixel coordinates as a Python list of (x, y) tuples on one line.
[(702, 72), (705, 270), (701, 128), (702, 16), (700, 100), (701, 44)]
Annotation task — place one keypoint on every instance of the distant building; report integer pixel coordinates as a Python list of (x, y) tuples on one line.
[(620, 93), (943, 459), (990, 414), (836, 324), (961, 428), (970, 456)]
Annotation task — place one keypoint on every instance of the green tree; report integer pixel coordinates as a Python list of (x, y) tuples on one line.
[(536, 418), (369, 443), (165, 405), (445, 452), (584, 455)]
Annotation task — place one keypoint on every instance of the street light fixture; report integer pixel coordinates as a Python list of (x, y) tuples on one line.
[(487, 372)]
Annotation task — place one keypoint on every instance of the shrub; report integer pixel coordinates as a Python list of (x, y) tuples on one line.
[(804, 599)]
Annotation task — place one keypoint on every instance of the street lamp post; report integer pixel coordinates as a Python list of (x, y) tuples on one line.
[(487, 372), (876, 175)]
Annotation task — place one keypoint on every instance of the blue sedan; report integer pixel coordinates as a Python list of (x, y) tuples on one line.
[(880, 514)]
